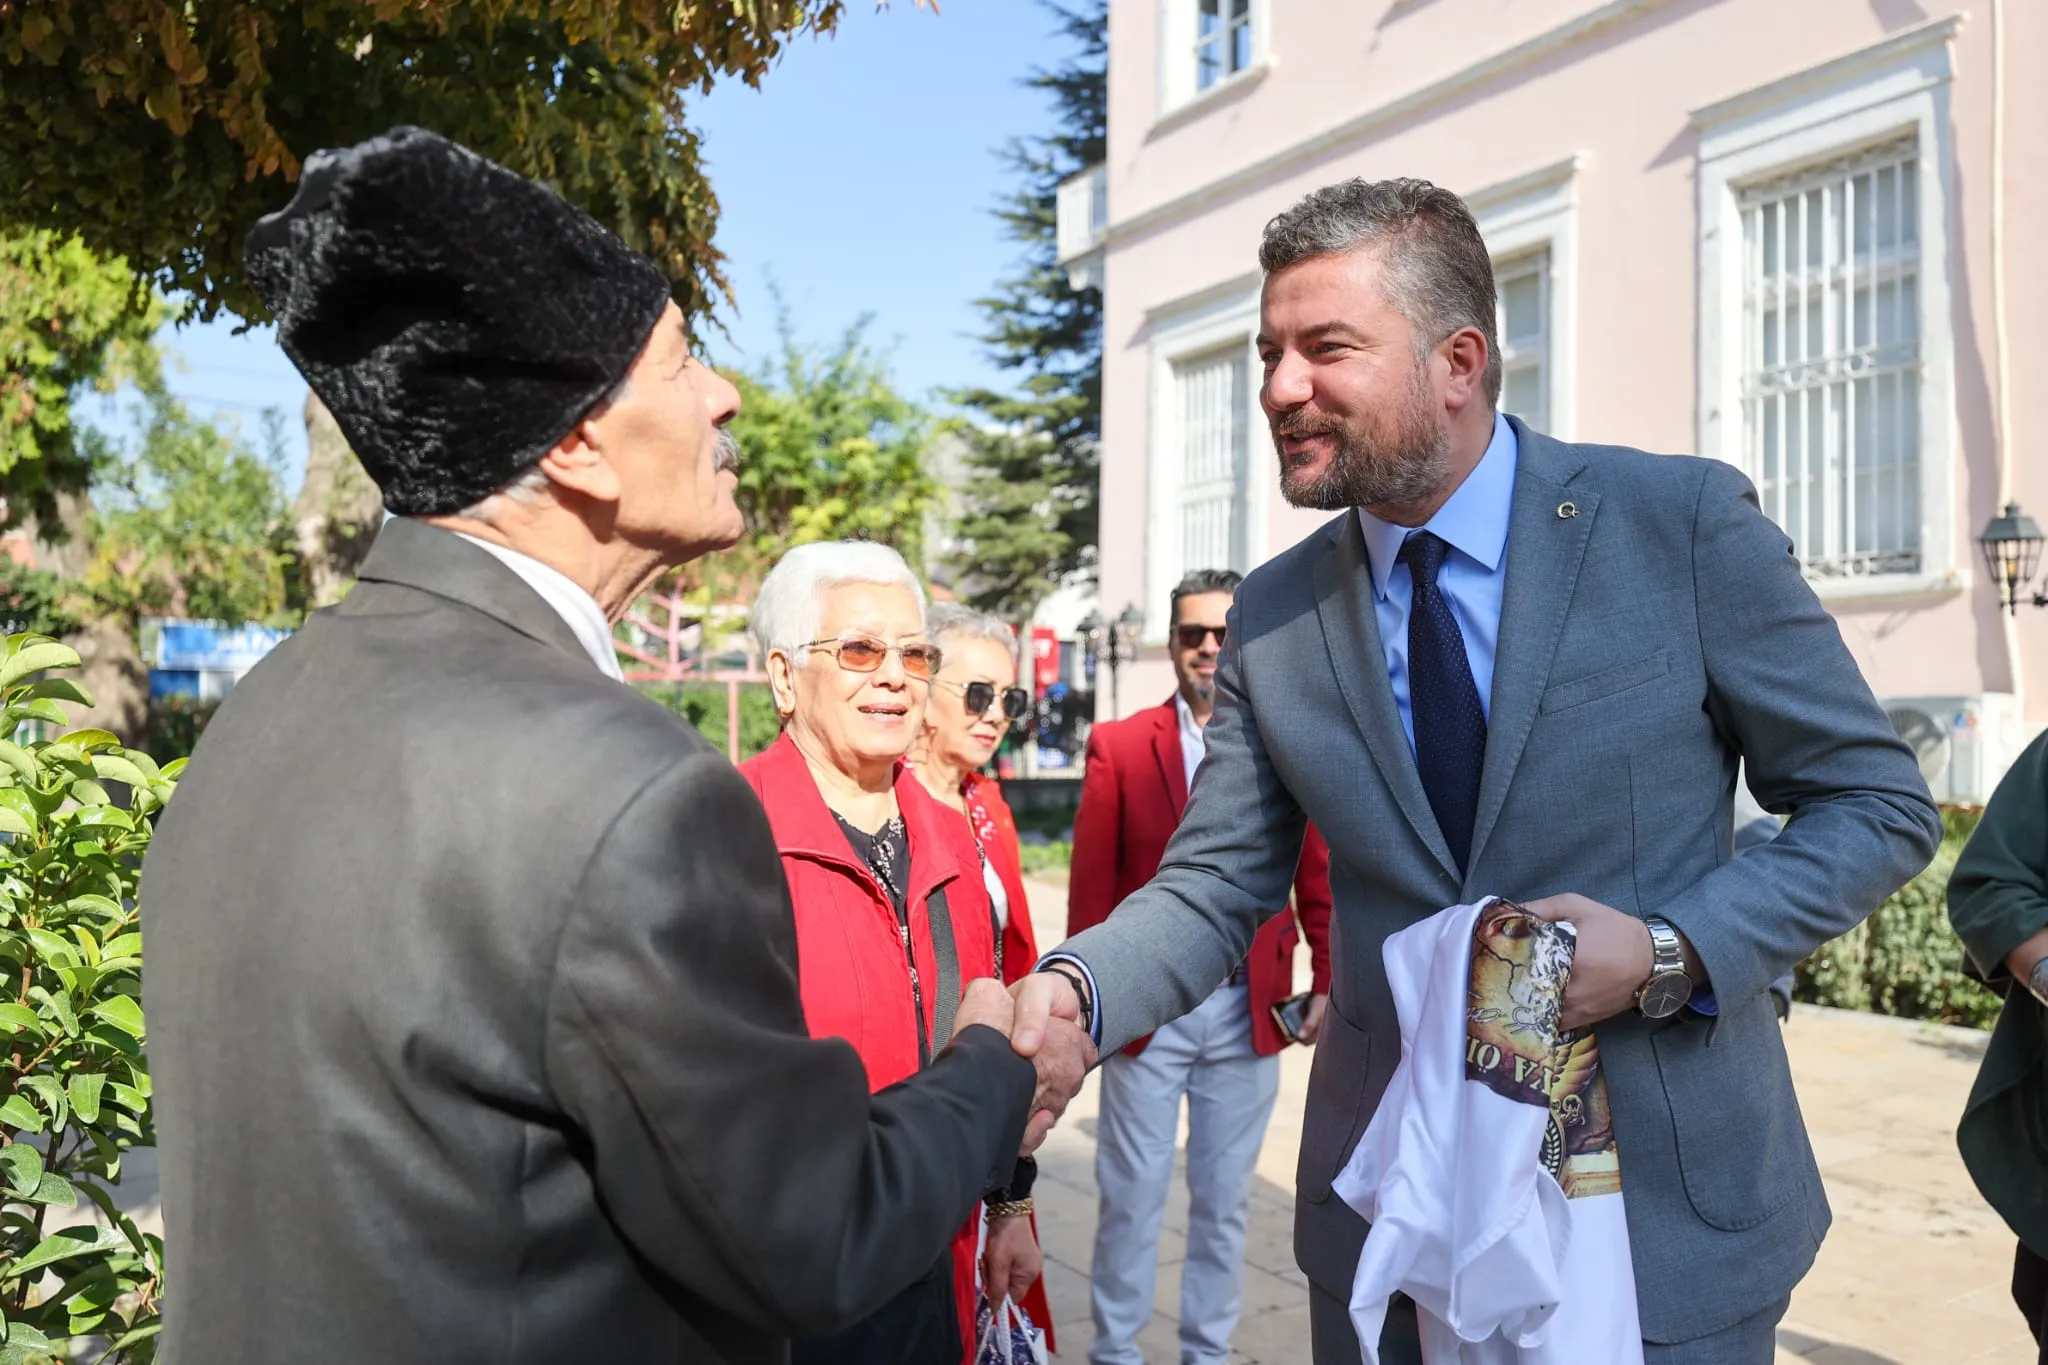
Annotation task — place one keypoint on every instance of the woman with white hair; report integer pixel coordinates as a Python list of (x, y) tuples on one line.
[(892, 915), (974, 700)]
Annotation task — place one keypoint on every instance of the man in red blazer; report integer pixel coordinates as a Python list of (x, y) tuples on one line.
[(1221, 1056)]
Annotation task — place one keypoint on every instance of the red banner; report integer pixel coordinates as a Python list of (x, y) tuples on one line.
[(1045, 657)]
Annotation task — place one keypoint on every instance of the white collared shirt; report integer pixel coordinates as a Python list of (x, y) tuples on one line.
[(1192, 743), (577, 608)]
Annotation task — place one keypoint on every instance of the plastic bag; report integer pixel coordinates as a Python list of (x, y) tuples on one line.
[(1007, 1335)]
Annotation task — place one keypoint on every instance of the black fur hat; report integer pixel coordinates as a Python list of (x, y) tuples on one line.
[(456, 318)]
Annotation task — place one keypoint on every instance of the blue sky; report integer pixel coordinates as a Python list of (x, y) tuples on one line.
[(858, 179)]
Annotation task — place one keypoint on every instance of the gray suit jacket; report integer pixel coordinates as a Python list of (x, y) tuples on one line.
[(474, 1019), (1646, 644)]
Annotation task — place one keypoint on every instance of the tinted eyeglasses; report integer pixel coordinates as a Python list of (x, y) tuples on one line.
[(980, 696), (864, 654), (1191, 636)]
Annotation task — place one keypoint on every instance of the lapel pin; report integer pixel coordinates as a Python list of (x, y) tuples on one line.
[(1567, 510)]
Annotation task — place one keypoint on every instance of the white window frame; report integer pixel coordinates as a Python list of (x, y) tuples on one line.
[(1897, 88), (1198, 327), (1177, 32), (1538, 211)]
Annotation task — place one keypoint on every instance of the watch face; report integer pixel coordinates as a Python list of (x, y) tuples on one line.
[(1665, 995)]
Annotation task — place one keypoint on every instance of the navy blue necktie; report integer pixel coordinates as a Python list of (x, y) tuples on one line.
[(1450, 724)]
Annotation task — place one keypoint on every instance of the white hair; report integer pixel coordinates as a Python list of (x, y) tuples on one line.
[(529, 483), (953, 621), (791, 603)]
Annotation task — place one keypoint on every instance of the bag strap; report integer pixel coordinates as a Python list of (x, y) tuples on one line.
[(947, 1005)]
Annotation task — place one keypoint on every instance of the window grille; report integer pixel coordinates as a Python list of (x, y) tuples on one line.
[(1832, 361), (1211, 395), (1223, 40)]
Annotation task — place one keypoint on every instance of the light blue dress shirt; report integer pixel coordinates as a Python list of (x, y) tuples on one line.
[(1474, 523)]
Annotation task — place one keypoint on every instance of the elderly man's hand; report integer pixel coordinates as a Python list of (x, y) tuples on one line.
[(986, 1001), (1063, 1058)]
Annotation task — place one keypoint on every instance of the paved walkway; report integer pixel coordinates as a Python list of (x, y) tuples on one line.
[(1915, 1271)]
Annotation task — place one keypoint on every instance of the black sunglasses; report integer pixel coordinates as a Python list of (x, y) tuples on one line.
[(980, 696), (1191, 636)]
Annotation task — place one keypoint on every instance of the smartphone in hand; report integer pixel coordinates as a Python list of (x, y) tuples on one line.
[(1290, 1014)]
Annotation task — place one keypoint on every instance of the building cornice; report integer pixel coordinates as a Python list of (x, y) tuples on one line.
[(1933, 36), (1522, 55)]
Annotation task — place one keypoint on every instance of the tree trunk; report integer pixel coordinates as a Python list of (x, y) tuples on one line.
[(337, 513), (113, 674)]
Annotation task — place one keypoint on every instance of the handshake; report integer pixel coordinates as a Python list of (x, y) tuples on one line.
[(1040, 1015)]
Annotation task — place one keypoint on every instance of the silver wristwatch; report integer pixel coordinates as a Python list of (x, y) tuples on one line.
[(1667, 989)]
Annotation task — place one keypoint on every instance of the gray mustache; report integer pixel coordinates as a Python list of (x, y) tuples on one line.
[(727, 455)]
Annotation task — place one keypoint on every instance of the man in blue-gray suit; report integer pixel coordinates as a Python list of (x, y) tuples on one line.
[(1518, 667)]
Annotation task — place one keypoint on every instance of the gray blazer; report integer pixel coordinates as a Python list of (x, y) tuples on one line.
[(1646, 644), (474, 1021)]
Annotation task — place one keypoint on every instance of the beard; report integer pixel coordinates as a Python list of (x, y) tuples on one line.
[(1399, 455)]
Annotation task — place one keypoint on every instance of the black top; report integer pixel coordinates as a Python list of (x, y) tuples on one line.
[(887, 854)]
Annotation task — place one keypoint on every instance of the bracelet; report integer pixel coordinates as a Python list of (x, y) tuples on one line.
[(1009, 1208), (2037, 981), (1080, 986)]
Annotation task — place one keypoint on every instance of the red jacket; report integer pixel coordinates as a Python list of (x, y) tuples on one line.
[(996, 828), (850, 960), (1133, 792)]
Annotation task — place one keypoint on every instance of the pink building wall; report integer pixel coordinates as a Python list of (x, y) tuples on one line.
[(1473, 93)]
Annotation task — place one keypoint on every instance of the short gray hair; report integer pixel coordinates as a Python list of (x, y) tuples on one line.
[(952, 621), (1434, 262), (790, 604), (529, 483)]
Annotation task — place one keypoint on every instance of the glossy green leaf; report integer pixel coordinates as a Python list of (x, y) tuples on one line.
[(11, 822), (40, 709), (60, 1246), (55, 948), (122, 1012), (116, 768), (60, 1007), (19, 759), (91, 739), (85, 1095), (61, 689), (50, 1091), (19, 1018), (34, 658), (87, 792), (18, 1113), (21, 1167), (124, 945), (55, 1191)]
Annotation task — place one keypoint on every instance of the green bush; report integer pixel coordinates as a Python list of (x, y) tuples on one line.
[(1052, 857), (704, 706), (1905, 960), (77, 1093), (174, 725)]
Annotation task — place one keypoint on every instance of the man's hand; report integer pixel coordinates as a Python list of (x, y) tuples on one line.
[(2023, 960), (1062, 1058), (1011, 1263), (1312, 1019), (986, 1001), (1042, 997), (1611, 962)]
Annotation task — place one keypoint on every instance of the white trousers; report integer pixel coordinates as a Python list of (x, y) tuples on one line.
[(1206, 1056)]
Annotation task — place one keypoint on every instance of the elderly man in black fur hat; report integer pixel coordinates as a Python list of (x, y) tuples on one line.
[(472, 982)]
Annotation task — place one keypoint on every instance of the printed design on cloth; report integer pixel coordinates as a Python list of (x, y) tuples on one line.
[(1515, 1047)]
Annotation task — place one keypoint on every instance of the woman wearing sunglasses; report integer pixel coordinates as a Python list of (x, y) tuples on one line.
[(892, 915), (974, 701)]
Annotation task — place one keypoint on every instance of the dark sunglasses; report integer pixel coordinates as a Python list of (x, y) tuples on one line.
[(864, 654), (1190, 637), (980, 696)]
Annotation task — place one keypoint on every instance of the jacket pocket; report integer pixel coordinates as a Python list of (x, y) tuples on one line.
[(1741, 1147), (1579, 691), (1340, 1091)]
